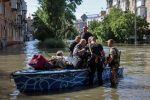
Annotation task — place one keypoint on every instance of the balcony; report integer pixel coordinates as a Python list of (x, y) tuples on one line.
[(14, 4), (24, 6)]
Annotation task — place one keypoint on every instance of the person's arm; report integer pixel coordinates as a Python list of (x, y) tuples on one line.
[(81, 51), (111, 58)]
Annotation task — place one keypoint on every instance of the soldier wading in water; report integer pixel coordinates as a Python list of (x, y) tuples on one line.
[(114, 61), (95, 61)]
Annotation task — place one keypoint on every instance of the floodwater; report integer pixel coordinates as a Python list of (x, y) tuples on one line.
[(135, 84)]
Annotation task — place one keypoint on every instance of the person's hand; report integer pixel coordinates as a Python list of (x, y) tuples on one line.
[(83, 50), (105, 63), (49, 60)]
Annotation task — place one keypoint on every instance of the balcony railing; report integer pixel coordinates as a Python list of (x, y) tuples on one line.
[(14, 4)]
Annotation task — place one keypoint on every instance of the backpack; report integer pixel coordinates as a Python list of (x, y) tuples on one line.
[(38, 62)]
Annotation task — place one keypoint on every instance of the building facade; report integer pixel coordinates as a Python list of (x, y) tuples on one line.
[(79, 24), (12, 21), (30, 29), (97, 17), (142, 7)]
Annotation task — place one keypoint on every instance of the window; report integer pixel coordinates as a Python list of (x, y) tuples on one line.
[(138, 11), (138, 3), (114, 2), (123, 5)]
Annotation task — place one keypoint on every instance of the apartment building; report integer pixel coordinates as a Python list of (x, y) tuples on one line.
[(12, 21), (142, 7)]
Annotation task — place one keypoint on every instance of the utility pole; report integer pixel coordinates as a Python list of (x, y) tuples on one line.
[(135, 34)]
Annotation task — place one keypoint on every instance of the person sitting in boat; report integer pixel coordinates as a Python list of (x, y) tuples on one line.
[(73, 44), (80, 53), (59, 61)]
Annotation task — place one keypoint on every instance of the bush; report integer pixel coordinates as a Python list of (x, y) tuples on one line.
[(53, 43)]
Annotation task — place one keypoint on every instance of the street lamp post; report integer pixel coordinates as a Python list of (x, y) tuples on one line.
[(135, 39)]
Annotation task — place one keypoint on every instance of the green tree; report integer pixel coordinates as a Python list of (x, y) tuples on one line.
[(54, 17), (119, 26), (92, 26)]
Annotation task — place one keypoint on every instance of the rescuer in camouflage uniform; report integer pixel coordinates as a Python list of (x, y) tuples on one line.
[(114, 61)]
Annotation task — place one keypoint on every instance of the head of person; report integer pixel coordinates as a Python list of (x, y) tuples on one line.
[(89, 39), (59, 53), (93, 39), (77, 39), (83, 42), (85, 29), (110, 42)]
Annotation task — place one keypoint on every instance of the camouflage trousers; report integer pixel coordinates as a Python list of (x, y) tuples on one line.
[(113, 74)]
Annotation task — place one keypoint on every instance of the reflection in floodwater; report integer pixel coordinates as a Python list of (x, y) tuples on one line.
[(134, 85), (30, 50)]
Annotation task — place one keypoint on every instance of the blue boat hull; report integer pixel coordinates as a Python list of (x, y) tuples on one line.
[(31, 80)]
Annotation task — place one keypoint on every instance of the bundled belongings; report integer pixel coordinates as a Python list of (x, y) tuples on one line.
[(38, 62), (61, 62)]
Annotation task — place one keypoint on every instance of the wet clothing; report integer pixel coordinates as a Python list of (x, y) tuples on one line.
[(86, 36), (114, 65), (71, 48), (93, 67), (95, 63), (113, 74)]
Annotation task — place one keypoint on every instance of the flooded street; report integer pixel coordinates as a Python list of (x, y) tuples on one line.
[(135, 84)]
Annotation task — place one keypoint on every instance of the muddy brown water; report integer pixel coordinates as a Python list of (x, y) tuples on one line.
[(135, 84)]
